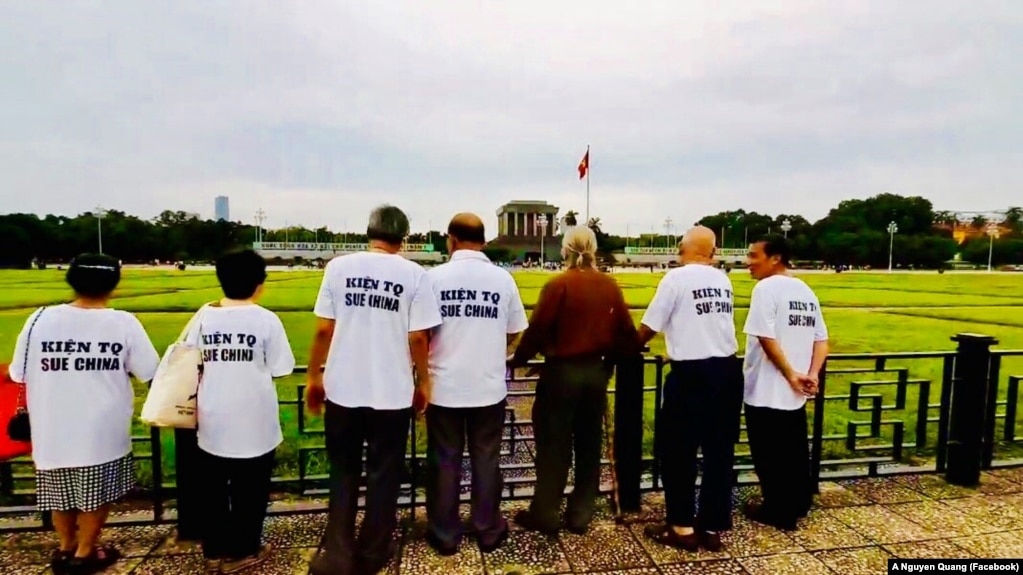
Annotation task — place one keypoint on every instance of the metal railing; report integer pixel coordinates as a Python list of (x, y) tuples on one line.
[(951, 412)]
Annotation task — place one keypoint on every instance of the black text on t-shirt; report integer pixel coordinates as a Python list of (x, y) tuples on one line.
[(228, 347), (379, 294), (808, 319), (81, 355), (712, 300), (463, 302)]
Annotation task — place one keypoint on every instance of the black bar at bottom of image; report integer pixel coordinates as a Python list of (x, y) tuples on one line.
[(904, 566)]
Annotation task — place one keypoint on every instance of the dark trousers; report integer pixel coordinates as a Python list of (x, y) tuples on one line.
[(568, 413), (781, 457), (447, 429), (386, 433), (234, 495), (188, 470), (700, 409)]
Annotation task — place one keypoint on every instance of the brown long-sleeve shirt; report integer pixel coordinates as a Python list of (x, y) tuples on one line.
[(580, 313)]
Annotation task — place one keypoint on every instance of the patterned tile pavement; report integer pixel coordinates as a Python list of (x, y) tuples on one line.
[(856, 527)]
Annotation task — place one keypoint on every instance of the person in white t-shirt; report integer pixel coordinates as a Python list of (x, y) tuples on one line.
[(374, 314), (76, 360), (786, 346), (702, 396), (244, 347), (482, 314)]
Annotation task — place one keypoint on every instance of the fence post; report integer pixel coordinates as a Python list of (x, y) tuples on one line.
[(187, 469), (628, 432), (967, 408)]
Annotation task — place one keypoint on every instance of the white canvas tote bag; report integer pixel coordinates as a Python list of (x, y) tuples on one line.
[(171, 401)]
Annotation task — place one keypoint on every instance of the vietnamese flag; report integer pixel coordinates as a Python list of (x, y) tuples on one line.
[(584, 165)]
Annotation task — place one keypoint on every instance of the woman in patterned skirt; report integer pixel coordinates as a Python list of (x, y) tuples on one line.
[(75, 360)]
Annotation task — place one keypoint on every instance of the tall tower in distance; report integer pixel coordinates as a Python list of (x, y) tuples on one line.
[(222, 208)]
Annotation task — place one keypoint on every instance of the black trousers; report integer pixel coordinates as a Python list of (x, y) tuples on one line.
[(781, 456), (700, 409), (447, 429), (234, 495), (568, 416), (386, 433), (188, 470)]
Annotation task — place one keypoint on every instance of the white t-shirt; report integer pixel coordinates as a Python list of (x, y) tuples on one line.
[(480, 305), (79, 394), (244, 347), (784, 309), (693, 309), (376, 299)]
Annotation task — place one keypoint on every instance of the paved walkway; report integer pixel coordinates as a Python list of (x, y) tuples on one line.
[(855, 528)]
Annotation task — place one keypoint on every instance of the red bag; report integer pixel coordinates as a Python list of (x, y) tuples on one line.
[(12, 398)]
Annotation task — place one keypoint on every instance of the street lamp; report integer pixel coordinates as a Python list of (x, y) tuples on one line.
[(541, 220), (667, 232), (260, 218), (892, 229), (785, 227), (100, 213), (992, 234)]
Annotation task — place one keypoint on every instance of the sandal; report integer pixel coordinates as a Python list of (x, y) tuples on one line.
[(665, 535), (59, 561), (97, 561)]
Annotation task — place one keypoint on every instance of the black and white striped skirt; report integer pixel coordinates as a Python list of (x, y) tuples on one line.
[(84, 488)]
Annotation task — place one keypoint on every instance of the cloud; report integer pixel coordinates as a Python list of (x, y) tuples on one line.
[(317, 110)]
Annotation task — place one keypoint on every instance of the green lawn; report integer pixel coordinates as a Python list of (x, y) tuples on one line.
[(865, 313)]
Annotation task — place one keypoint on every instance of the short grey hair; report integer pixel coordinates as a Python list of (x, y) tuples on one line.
[(579, 248), (388, 224)]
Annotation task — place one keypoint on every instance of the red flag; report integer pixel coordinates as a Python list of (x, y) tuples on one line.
[(584, 165)]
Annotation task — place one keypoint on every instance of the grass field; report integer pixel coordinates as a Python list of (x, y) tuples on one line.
[(864, 312)]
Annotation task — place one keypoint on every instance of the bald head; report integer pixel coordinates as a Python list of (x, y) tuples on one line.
[(468, 220), (698, 244), (466, 231)]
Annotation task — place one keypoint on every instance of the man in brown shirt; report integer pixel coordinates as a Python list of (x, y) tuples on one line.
[(581, 325)]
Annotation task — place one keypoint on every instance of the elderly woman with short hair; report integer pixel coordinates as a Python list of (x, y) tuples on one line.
[(76, 360), (581, 325)]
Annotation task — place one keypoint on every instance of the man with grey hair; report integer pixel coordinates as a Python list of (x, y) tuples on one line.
[(582, 326), (374, 313)]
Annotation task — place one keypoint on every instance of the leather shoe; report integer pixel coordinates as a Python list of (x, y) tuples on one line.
[(496, 544), (527, 521), (440, 548), (755, 512), (710, 541)]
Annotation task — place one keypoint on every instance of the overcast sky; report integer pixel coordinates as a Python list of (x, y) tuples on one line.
[(318, 110)]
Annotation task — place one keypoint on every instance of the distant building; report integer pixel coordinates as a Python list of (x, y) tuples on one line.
[(221, 208), (520, 232)]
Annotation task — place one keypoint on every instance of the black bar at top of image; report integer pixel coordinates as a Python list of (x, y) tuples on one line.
[(905, 566)]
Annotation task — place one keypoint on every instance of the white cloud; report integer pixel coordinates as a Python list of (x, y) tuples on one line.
[(319, 108)]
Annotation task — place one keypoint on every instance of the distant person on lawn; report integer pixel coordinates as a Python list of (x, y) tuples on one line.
[(482, 315), (244, 348), (581, 325), (76, 360), (374, 314), (702, 398), (786, 345)]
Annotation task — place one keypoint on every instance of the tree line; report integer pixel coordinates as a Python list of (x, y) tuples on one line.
[(855, 233)]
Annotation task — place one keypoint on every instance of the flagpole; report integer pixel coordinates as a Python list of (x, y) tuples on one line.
[(587, 184)]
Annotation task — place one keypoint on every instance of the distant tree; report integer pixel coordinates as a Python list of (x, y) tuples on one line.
[(854, 233), (1014, 221), (498, 254), (1002, 251)]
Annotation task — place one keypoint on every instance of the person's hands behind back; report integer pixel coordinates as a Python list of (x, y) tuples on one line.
[(803, 384), (315, 395)]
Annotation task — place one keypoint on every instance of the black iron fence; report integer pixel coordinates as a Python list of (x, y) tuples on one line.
[(952, 412)]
